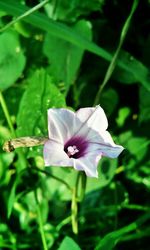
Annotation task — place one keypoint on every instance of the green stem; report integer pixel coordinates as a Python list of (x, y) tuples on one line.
[(135, 207), (27, 13), (7, 115), (43, 238), (74, 212), (115, 57), (77, 198), (136, 236), (63, 223), (116, 206), (81, 178)]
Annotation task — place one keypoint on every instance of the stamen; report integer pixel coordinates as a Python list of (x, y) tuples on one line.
[(76, 147), (72, 150)]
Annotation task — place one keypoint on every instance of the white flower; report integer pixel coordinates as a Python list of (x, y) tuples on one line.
[(78, 139)]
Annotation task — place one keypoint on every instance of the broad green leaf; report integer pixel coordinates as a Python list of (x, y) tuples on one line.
[(64, 57), (12, 59), (40, 95), (68, 243), (130, 66)]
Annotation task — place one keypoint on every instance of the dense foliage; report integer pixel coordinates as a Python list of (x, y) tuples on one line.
[(58, 56)]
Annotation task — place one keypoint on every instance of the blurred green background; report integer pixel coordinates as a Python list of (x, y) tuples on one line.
[(57, 56)]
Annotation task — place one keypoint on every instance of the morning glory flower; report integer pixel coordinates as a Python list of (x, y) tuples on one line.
[(78, 139)]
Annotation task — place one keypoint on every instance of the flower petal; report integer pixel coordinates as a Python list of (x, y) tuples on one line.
[(105, 145), (54, 155), (93, 118), (63, 123), (88, 165), (60, 124)]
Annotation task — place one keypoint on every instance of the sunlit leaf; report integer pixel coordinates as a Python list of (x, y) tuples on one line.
[(40, 95)]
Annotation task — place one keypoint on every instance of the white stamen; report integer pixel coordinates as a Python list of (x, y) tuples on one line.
[(72, 150)]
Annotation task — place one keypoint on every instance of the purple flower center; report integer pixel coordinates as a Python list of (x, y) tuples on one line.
[(76, 147)]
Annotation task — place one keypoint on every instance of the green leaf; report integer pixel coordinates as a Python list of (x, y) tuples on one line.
[(11, 198), (122, 116), (106, 170), (144, 104), (110, 240), (5, 161), (133, 71), (40, 95), (65, 60), (138, 146), (71, 10), (109, 100), (68, 243), (131, 67), (12, 59)]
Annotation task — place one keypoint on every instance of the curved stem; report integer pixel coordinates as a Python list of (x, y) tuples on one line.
[(43, 238), (115, 57), (81, 178), (63, 223)]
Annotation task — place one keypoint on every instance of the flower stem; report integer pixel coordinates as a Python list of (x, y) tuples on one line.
[(77, 198), (74, 212), (40, 220), (81, 178), (115, 57)]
